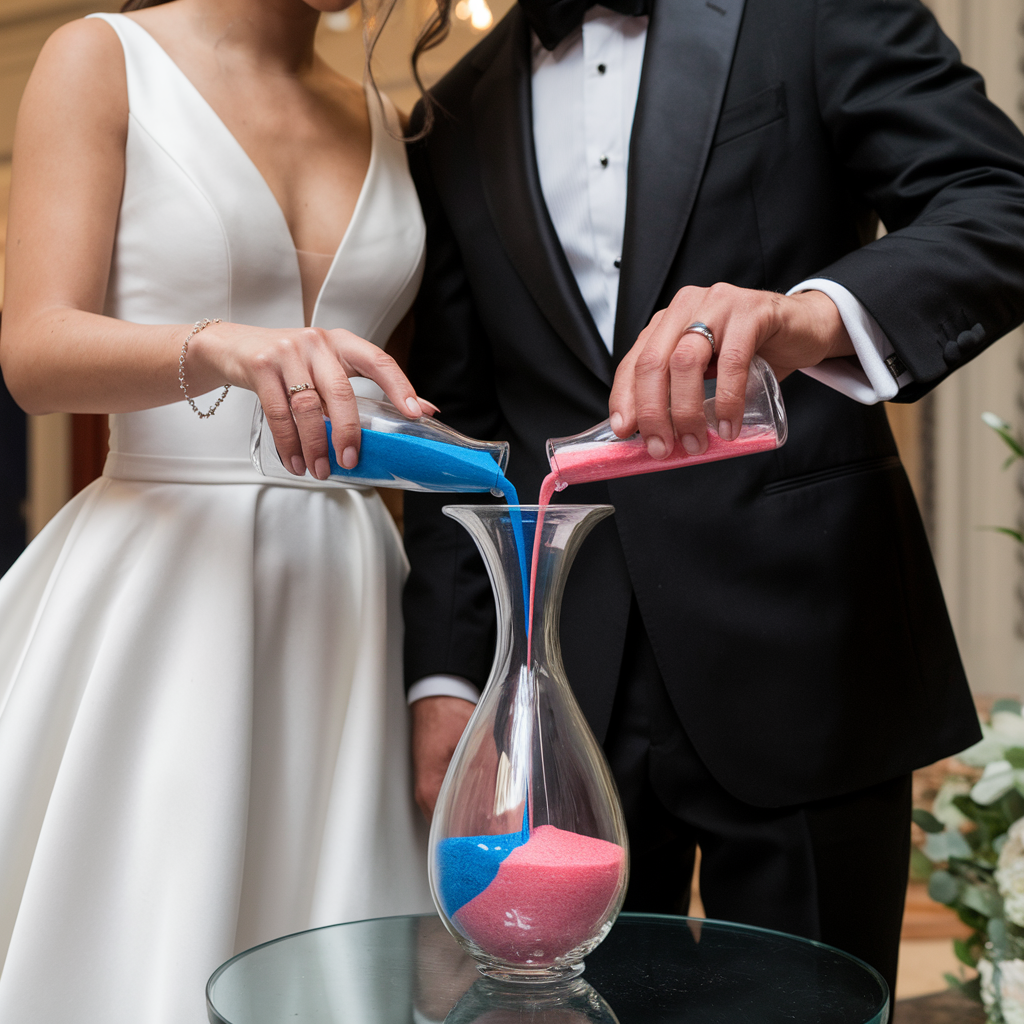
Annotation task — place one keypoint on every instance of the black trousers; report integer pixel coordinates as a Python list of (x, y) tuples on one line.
[(835, 871)]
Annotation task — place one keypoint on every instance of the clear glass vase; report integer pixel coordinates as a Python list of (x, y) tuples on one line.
[(528, 852), (599, 454)]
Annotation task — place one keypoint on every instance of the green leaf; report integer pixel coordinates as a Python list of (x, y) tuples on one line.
[(1006, 704), (943, 887), (921, 867), (972, 918), (948, 843), (1015, 534), (985, 901), (1012, 805), (926, 820), (971, 989), (969, 809), (1002, 428), (997, 936), (1015, 755), (965, 952)]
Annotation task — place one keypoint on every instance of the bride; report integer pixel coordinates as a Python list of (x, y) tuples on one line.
[(202, 726)]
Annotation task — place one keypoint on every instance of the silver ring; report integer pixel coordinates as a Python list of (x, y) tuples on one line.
[(296, 388), (698, 328)]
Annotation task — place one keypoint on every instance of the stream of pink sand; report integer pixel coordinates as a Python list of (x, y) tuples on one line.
[(626, 458)]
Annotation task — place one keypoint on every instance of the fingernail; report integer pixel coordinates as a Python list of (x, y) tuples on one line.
[(349, 458), (725, 430), (413, 406), (656, 448), (322, 469), (616, 422), (691, 444), (298, 466)]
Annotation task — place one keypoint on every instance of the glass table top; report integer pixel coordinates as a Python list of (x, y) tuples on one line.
[(650, 970)]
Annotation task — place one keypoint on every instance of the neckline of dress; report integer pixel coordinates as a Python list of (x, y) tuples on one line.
[(363, 190)]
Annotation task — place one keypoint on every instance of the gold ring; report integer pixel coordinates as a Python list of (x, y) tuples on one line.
[(296, 388)]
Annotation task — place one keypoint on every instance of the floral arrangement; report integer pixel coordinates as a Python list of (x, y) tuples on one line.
[(975, 844)]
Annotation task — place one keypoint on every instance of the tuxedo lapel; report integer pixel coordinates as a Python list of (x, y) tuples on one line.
[(687, 61), (503, 125)]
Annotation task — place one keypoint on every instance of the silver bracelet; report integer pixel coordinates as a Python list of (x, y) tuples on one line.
[(200, 325)]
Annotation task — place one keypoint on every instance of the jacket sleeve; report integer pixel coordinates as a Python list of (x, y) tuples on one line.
[(944, 169), (447, 602)]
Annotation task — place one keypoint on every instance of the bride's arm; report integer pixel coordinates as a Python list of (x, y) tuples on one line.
[(59, 353)]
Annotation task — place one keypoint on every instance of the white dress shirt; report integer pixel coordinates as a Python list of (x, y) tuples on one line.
[(584, 98)]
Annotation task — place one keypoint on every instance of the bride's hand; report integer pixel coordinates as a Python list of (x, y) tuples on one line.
[(270, 362)]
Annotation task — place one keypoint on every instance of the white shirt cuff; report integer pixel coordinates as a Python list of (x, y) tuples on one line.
[(443, 686), (867, 379)]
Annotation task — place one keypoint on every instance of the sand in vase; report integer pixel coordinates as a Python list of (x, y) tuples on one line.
[(549, 894)]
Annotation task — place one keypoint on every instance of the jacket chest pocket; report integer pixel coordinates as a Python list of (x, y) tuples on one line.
[(759, 110)]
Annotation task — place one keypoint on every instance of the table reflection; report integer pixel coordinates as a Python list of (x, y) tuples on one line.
[(566, 1002), (650, 970)]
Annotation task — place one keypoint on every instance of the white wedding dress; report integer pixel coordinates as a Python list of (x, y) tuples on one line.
[(203, 734)]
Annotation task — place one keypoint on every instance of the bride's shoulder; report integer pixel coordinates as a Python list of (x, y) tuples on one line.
[(83, 46), (81, 65)]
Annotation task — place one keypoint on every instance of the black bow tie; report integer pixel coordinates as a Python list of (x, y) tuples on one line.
[(553, 20)]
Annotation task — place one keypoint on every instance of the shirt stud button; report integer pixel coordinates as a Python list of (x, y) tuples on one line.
[(601, 69), (618, 264), (604, 161)]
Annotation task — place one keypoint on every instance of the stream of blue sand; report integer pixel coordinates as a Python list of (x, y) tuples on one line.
[(436, 466), (466, 864)]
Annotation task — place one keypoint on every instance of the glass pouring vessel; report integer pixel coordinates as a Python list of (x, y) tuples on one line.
[(528, 856), (423, 454), (599, 454)]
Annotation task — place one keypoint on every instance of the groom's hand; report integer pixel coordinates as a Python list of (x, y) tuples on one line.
[(659, 385), (437, 726)]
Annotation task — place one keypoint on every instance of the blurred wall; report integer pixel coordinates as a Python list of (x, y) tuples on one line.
[(967, 490)]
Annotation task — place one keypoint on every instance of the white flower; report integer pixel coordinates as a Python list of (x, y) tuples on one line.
[(1013, 848), (1011, 888), (1006, 730), (988, 988), (1009, 874), (944, 809), (998, 778), (1010, 975), (1011, 991)]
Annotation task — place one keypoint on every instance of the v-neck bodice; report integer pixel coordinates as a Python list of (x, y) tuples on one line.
[(200, 234)]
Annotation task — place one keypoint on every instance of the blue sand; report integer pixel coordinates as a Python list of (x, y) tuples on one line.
[(466, 865), (433, 464), (438, 466), (512, 499)]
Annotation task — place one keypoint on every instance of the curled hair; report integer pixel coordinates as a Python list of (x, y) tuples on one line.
[(376, 15), (433, 33)]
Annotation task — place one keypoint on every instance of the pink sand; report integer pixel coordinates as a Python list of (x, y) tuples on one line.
[(549, 895), (630, 458), (627, 458)]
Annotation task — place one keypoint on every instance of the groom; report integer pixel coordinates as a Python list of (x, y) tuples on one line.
[(760, 644)]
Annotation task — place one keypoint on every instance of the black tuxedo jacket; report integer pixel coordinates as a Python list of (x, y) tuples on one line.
[(790, 597)]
